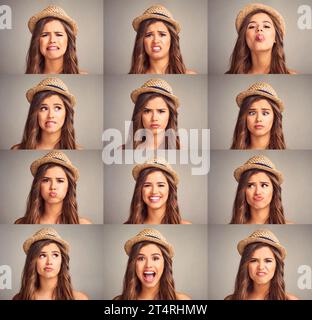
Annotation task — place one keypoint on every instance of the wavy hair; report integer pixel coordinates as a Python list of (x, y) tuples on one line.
[(241, 136), (32, 131), (172, 140), (35, 61), (244, 284), (132, 285), (241, 209), (138, 208), (140, 60), (241, 62), (30, 278), (35, 202)]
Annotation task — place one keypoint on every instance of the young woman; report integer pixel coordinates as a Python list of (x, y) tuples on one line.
[(259, 47), (50, 120), (154, 199), (260, 273), (259, 122), (154, 123), (46, 271), (149, 270), (52, 197), (53, 43), (157, 48), (258, 197)]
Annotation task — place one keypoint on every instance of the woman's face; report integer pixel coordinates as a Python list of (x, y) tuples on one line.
[(54, 185), (157, 40), (259, 191), (155, 190), (262, 266), (260, 118), (260, 33), (53, 40), (51, 114), (49, 261), (155, 116), (149, 265)]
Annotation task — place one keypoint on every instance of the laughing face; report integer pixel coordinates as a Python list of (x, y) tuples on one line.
[(149, 266)]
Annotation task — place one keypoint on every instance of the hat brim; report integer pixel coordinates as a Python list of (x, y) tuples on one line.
[(137, 21), (31, 92), (138, 168), (37, 163), (28, 243), (135, 94), (240, 170), (243, 243), (131, 242), (243, 95)]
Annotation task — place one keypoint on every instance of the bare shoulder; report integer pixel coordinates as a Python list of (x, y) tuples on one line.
[(80, 296), (18, 221), (182, 296), (290, 222), (190, 72), (16, 147), (291, 297), (84, 221), (293, 72), (186, 222), (83, 72), (79, 146)]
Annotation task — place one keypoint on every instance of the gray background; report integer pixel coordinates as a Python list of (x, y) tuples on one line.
[(191, 91), (295, 93), (87, 274), (88, 16), (191, 253), (296, 188), (224, 257), (14, 168), (222, 34), (119, 187), (120, 35), (14, 107)]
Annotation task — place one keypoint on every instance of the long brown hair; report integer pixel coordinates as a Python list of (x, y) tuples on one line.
[(132, 285), (138, 209), (241, 62), (241, 209), (244, 284), (35, 60), (172, 140), (241, 136), (35, 202), (140, 60), (32, 130), (30, 278)]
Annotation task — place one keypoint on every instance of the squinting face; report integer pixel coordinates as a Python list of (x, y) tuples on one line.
[(155, 190), (149, 265), (51, 114), (259, 191), (260, 33), (155, 116), (53, 40), (262, 266), (49, 261), (157, 41), (260, 118), (54, 185)]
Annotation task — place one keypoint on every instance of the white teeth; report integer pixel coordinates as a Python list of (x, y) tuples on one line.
[(147, 272)]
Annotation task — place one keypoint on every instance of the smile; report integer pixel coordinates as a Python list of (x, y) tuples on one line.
[(154, 199)]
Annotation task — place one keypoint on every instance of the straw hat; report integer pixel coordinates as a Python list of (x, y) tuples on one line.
[(158, 12), (158, 86), (57, 157), (45, 234), (265, 236), (258, 162), (52, 11), (150, 235), (256, 6), (158, 163), (260, 89), (51, 84)]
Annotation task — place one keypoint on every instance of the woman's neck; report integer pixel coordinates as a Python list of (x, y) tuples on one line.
[(261, 62), (155, 216), (48, 140), (148, 293), (46, 289), (260, 142), (259, 291), (259, 216), (52, 213), (53, 66), (158, 66)]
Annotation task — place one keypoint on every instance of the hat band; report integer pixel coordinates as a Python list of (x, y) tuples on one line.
[(57, 87), (149, 235), (58, 159), (161, 14), (159, 88), (265, 238), (266, 92), (262, 164)]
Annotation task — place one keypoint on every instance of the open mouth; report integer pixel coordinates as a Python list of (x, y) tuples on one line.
[(149, 276), (50, 123), (154, 199), (156, 49)]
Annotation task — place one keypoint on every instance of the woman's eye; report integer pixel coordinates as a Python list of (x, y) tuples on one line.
[(155, 258), (59, 34), (55, 255), (251, 27), (44, 35), (43, 108), (250, 185), (45, 180), (268, 27), (60, 180), (251, 113), (148, 35), (140, 258), (264, 185), (265, 113), (146, 110), (42, 256), (253, 260)]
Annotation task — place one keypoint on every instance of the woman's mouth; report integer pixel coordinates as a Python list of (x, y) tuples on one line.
[(259, 126), (52, 48), (154, 199), (50, 124), (260, 37), (261, 274), (52, 194), (48, 269), (258, 198), (155, 126), (149, 276), (156, 48)]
